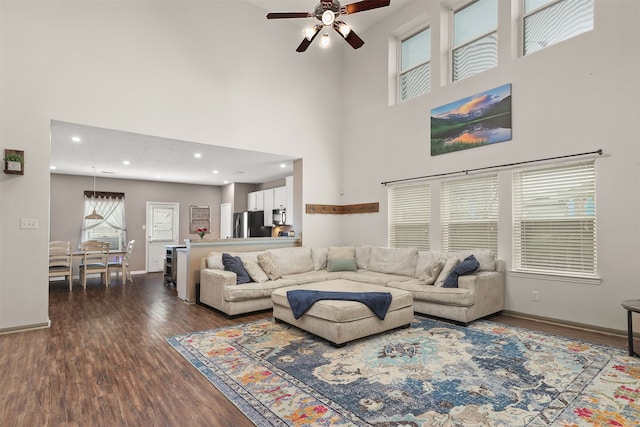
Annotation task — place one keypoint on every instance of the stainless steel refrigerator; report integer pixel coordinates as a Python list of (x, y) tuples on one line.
[(250, 224)]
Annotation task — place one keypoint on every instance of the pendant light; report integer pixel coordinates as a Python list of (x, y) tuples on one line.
[(94, 214)]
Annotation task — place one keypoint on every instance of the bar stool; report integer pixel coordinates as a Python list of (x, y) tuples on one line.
[(632, 306)]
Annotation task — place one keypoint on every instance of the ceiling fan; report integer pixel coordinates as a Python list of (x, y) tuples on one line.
[(328, 12)]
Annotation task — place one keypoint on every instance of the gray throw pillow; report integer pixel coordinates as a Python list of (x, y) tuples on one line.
[(342, 264), (467, 266)]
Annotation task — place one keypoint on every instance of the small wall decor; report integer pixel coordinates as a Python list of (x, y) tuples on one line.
[(199, 218), (14, 162), (471, 122)]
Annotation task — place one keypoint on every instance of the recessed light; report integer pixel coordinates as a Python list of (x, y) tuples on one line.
[(52, 167), (197, 155), (225, 182), (215, 171), (75, 139), (126, 162), (282, 165)]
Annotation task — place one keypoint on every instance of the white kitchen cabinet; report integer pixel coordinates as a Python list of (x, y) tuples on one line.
[(280, 197), (289, 199), (255, 201), (267, 196)]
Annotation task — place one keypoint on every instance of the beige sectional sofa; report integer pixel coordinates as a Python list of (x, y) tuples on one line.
[(422, 273)]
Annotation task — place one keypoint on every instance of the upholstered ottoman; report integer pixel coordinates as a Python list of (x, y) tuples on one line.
[(343, 321)]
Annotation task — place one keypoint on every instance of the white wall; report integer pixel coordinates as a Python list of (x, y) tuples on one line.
[(210, 72), (577, 96)]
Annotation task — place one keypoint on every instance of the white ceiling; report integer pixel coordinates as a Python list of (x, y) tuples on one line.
[(158, 159), (161, 159)]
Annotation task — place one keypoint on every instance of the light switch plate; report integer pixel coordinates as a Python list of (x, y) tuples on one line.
[(29, 224)]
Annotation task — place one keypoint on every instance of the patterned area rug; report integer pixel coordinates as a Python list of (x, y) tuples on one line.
[(431, 374)]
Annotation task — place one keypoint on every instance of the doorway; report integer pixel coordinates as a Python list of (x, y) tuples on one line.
[(162, 230)]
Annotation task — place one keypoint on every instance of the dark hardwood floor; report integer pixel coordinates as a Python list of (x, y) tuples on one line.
[(105, 361)]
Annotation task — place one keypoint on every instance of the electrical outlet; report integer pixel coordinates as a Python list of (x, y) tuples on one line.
[(535, 296), (28, 224)]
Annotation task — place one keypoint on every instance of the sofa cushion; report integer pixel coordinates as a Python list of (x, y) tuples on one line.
[(313, 276), (251, 291), (292, 260), (234, 264), (467, 266), (446, 296), (214, 260), (319, 258), (341, 264), (267, 264), (255, 272), (451, 262), (431, 273), (373, 277), (486, 258), (363, 252), (401, 261)]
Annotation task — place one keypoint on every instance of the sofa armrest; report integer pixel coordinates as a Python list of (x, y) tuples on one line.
[(212, 284), (488, 287)]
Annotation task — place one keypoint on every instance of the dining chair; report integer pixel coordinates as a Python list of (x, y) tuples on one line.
[(95, 260), (60, 263), (122, 266)]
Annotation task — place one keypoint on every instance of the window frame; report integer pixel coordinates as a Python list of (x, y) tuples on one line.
[(453, 47), (519, 218), (446, 208), (426, 214), (539, 9), (400, 72)]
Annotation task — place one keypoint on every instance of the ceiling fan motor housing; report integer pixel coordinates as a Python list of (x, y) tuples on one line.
[(333, 6)]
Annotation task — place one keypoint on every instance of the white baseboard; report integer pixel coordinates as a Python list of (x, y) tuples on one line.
[(24, 328)]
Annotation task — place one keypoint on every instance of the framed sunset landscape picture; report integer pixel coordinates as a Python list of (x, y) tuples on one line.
[(471, 122)]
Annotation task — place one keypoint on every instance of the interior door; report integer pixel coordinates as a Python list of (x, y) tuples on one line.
[(162, 230), (225, 221)]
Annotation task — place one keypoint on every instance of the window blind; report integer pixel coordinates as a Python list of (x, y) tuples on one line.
[(554, 220), (415, 67), (470, 214), (557, 22), (408, 216)]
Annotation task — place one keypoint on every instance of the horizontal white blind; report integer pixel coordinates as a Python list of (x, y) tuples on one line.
[(409, 212), (559, 21), (470, 214), (554, 220), (475, 57), (415, 82)]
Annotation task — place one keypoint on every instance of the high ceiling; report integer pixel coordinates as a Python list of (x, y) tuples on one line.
[(161, 159)]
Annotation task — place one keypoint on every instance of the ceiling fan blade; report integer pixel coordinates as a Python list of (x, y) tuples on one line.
[(352, 38), (364, 5), (307, 42), (281, 15)]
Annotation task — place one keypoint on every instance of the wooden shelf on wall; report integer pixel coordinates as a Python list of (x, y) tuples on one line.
[(343, 209), (6, 164)]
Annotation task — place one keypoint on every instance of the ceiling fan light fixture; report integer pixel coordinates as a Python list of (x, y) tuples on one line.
[(344, 29), (325, 41), (328, 17), (309, 33)]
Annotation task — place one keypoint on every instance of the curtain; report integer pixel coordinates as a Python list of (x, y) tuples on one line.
[(112, 211)]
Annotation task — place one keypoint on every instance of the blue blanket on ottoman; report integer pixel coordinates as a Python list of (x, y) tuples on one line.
[(301, 300)]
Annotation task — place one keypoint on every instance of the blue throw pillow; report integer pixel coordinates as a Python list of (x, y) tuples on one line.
[(234, 263), (468, 266)]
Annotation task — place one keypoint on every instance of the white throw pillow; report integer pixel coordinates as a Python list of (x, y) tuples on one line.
[(363, 253), (451, 262), (431, 273), (319, 257), (214, 260), (257, 274)]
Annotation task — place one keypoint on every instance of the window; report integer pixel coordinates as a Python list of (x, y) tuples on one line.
[(470, 214), (409, 211), (112, 228), (554, 220), (415, 65), (547, 22), (475, 39)]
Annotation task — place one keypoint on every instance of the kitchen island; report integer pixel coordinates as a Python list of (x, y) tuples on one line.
[(189, 261)]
